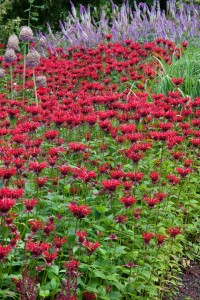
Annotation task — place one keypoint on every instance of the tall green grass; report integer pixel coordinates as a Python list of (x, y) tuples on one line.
[(187, 67)]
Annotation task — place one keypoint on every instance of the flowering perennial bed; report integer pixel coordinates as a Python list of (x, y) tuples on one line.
[(99, 176)]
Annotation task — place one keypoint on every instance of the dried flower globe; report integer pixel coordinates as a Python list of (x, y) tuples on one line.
[(9, 56), (32, 59), (26, 34), (13, 42), (41, 81), (2, 72)]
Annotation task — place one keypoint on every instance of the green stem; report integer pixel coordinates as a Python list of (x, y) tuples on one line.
[(11, 80), (35, 89)]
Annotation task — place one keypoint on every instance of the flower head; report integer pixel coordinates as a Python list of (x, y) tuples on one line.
[(26, 34), (79, 212)]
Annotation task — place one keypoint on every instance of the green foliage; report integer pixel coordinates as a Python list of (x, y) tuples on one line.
[(8, 24)]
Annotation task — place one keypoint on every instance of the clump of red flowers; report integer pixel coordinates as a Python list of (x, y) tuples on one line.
[(79, 211)]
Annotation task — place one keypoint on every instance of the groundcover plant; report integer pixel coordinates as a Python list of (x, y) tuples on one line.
[(99, 175)]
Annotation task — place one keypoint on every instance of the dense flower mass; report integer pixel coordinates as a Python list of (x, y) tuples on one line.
[(99, 154)]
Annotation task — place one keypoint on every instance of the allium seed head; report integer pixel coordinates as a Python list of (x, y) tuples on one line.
[(2, 72), (32, 59), (13, 42), (9, 56), (26, 34), (41, 81)]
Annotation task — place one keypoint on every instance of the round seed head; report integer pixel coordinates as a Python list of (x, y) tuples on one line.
[(9, 56), (13, 42), (41, 81), (26, 34), (32, 59), (2, 72)]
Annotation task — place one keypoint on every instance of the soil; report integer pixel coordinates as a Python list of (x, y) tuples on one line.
[(190, 288)]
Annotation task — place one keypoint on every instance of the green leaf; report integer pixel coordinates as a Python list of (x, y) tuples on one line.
[(44, 293), (101, 209), (54, 283), (115, 295), (100, 274)]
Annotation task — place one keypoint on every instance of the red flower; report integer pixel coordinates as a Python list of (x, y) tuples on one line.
[(58, 242), (111, 184), (147, 236), (183, 172), (64, 170), (77, 147), (30, 204), (6, 204), (136, 213), (4, 251), (72, 265), (81, 235), (50, 226), (177, 81), (127, 201), (51, 134), (174, 231), (89, 296), (154, 177), (35, 225), (37, 167), (38, 248), (86, 176), (121, 219), (79, 212), (173, 179), (160, 239), (7, 173), (41, 181), (151, 201), (50, 257), (91, 247)]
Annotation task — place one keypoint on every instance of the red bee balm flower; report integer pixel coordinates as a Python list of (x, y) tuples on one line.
[(174, 231), (89, 296), (110, 185), (91, 247), (49, 257), (154, 177), (147, 236), (58, 242), (177, 81), (121, 219), (30, 204), (6, 204), (38, 248), (37, 167), (81, 235), (127, 201), (79, 212), (35, 225), (160, 239), (72, 265), (4, 251)]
